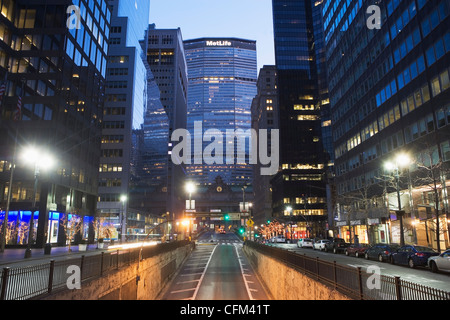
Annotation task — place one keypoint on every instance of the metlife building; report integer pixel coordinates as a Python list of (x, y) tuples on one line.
[(222, 74)]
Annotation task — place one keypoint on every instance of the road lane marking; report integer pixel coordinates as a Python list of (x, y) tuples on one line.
[(243, 276), (180, 291), (190, 281), (203, 274)]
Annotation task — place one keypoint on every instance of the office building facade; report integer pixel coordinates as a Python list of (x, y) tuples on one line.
[(222, 74), (164, 180), (54, 61), (123, 113), (299, 189), (389, 95), (264, 117)]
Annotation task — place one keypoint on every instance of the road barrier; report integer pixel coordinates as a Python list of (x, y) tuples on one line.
[(353, 282), (23, 283)]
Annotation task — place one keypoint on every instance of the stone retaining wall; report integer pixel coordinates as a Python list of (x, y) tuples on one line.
[(285, 283), (139, 281)]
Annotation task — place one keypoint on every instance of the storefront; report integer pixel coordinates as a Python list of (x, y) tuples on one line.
[(300, 230), (18, 226), (378, 231), (373, 232), (425, 231)]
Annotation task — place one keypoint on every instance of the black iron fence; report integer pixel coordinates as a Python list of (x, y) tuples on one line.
[(353, 282), (23, 283)]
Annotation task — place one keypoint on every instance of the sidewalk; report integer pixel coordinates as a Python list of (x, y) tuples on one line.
[(13, 257)]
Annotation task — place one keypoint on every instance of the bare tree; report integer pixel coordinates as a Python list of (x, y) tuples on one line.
[(431, 170), (104, 229), (11, 232), (22, 232), (397, 179), (71, 227)]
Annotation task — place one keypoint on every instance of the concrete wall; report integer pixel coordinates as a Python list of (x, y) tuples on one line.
[(285, 283), (139, 281)]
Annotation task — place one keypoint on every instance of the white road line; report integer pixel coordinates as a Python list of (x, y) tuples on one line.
[(203, 274), (190, 281), (243, 276), (180, 291)]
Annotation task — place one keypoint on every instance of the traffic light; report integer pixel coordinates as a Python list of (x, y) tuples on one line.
[(226, 217), (241, 230)]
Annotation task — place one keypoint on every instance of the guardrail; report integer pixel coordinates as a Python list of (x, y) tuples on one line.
[(23, 283), (351, 281)]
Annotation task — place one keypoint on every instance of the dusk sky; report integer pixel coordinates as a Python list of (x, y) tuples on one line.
[(248, 19)]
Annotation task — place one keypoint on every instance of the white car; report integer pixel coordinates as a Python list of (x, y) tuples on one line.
[(307, 243), (440, 262), (278, 239), (320, 244)]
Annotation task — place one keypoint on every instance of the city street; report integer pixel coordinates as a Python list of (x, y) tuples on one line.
[(152, 150), (419, 275), (216, 270)]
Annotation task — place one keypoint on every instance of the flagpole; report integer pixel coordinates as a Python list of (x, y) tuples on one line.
[(8, 200)]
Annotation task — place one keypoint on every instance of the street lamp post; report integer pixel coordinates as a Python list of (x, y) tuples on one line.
[(400, 161), (39, 160), (190, 189), (123, 199)]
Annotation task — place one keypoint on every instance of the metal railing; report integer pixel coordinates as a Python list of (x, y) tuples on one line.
[(352, 282), (23, 283)]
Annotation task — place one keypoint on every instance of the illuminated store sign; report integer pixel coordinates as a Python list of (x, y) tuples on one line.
[(218, 43)]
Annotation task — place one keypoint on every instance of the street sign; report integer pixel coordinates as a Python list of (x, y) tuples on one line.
[(250, 223)]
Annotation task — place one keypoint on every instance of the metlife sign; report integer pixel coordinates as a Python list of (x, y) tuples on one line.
[(218, 43)]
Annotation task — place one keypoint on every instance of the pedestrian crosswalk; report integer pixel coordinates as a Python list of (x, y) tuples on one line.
[(219, 242)]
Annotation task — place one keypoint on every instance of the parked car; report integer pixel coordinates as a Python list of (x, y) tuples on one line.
[(358, 250), (336, 245), (307, 243), (412, 255), (320, 244), (440, 262), (381, 251), (278, 239)]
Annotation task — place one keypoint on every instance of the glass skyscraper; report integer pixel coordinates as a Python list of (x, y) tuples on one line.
[(124, 109), (55, 63), (163, 180), (222, 74), (389, 91), (301, 182)]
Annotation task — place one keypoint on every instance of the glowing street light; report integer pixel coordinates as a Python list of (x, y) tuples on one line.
[(40, 159), (190, 189), (401, 160)]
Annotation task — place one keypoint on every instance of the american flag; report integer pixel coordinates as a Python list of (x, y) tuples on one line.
[(18, 111)]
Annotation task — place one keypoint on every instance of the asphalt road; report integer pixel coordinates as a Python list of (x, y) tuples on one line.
[(420, 275), (216, 270)]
